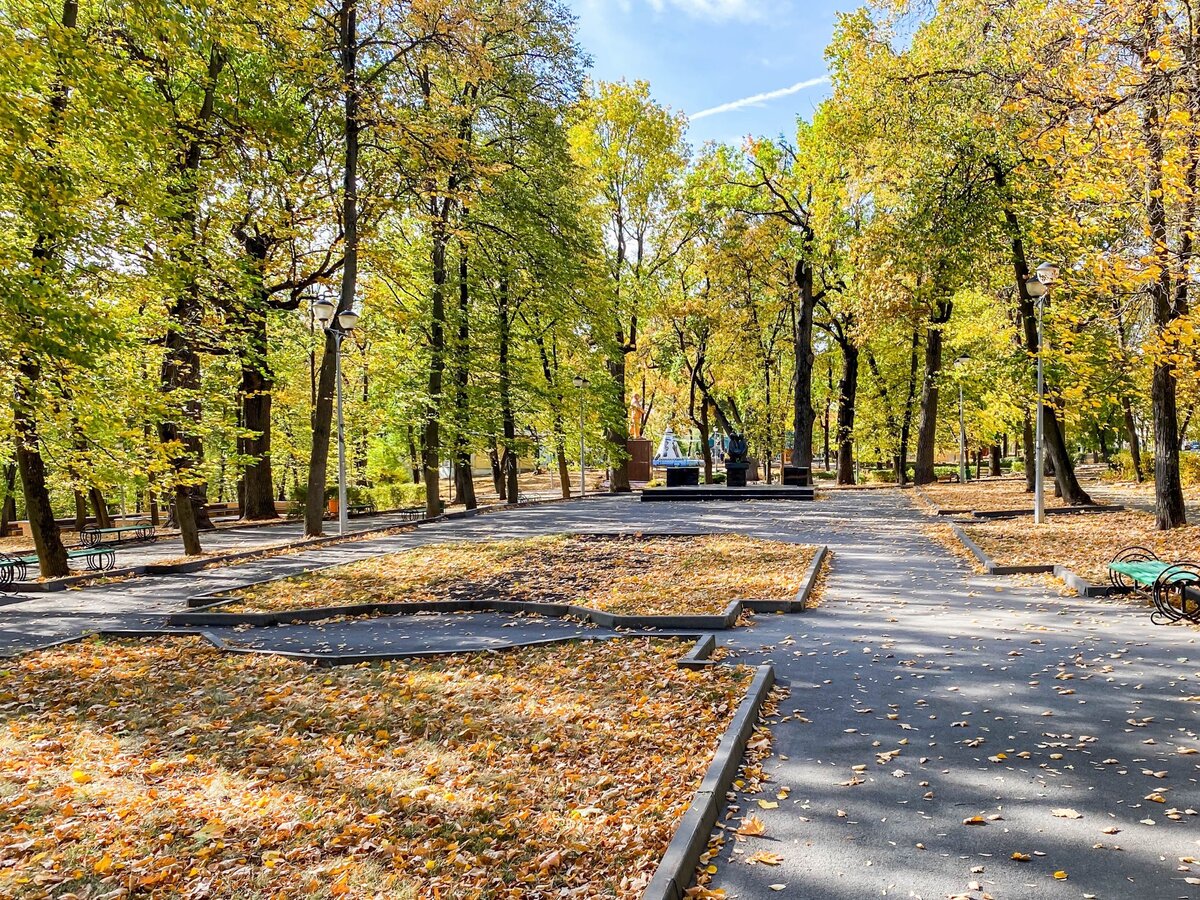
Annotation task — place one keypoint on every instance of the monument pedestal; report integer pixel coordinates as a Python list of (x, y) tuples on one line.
[(735, 474), (683, 476)]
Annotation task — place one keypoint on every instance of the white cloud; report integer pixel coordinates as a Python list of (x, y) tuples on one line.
[(759, 99)]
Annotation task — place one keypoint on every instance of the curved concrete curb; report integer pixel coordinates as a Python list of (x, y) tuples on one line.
[(678, 865), (1074, 581)]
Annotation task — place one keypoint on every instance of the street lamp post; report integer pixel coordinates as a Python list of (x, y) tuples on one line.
[(1039, 290), (581, 384), (962, 423), (323, 310)]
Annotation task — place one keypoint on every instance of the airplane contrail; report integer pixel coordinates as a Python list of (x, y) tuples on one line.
[(759, 98)]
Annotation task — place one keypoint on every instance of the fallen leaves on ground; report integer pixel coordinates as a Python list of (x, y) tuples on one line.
[(167, 768), (624, 575), (1085, 543), (987, 495)]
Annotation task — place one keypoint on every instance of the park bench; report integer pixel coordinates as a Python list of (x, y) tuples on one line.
[(91, 536), (16, 568), (361, 509), (952, 478), (1174, 588)]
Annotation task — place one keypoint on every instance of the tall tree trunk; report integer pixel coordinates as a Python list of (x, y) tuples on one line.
[(995, 468), (256, 493), (8, 507), (47, 539), (889, 413), (322, 417), (498, 482), (705, 447), (1068, 484), (414, 462), (847, 397), (81, 516), (923, 471), (909, 404), (431, 439), (617, 432), (464, 484), (560, 432), (803, 414), (1131, 433), (508, 422), (1167, 307)]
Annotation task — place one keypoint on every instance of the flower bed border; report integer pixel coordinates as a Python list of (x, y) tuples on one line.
[(1072, 579), (989, 514), (206, 606)]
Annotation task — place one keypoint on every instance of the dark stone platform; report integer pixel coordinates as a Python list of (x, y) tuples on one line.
[(724, 492)]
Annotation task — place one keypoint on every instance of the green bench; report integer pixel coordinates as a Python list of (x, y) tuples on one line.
[(16, 568), (1174, 588), (91, 536)]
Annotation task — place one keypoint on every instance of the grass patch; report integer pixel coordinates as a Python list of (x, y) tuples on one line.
[(167, 768), (631, 576)]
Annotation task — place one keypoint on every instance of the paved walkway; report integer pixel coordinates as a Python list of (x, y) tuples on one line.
[(971, 698), (962, 697)]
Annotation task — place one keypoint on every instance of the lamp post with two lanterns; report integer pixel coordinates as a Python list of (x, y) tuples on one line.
[(325, 311), (1039, 289)]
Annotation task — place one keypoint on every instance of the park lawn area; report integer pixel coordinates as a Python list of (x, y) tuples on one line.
[(164, 767), (988, 495), (623, 575), (1084, 543)]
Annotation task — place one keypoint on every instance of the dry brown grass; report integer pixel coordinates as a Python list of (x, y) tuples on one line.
[(648, 576), (1084, 543), (165, 768)]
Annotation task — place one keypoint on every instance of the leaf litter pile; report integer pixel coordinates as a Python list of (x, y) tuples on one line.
[(163, 768), (1084, 543), (623, 575)]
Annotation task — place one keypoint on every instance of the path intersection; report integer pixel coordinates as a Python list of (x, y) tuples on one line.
[(947, 734)]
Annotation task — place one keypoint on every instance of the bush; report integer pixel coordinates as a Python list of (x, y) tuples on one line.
[(881, 476), (398, 495)]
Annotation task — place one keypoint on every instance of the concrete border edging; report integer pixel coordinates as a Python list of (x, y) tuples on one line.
[(677, 867), (205, 606), (1073, 580)]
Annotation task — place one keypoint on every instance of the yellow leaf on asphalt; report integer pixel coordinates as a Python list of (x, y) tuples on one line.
[(766, 857)]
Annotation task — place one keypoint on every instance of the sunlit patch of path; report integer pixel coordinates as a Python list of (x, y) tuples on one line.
[(968, 699)]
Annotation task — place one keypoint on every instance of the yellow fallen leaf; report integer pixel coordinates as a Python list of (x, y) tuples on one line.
[(768, 804), (102, 865), (752, 826), (1067, 814), (1021, 857), (766, 857), (1060, 875), (81, 777)]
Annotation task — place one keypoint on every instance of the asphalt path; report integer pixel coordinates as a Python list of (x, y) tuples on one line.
[(956, 735)]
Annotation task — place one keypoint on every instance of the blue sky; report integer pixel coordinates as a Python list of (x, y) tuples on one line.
[(713, 56)]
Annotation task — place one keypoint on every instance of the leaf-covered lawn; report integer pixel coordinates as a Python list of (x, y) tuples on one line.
[(990, 495), (165, 768), (648, 576), (1084, 543)]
